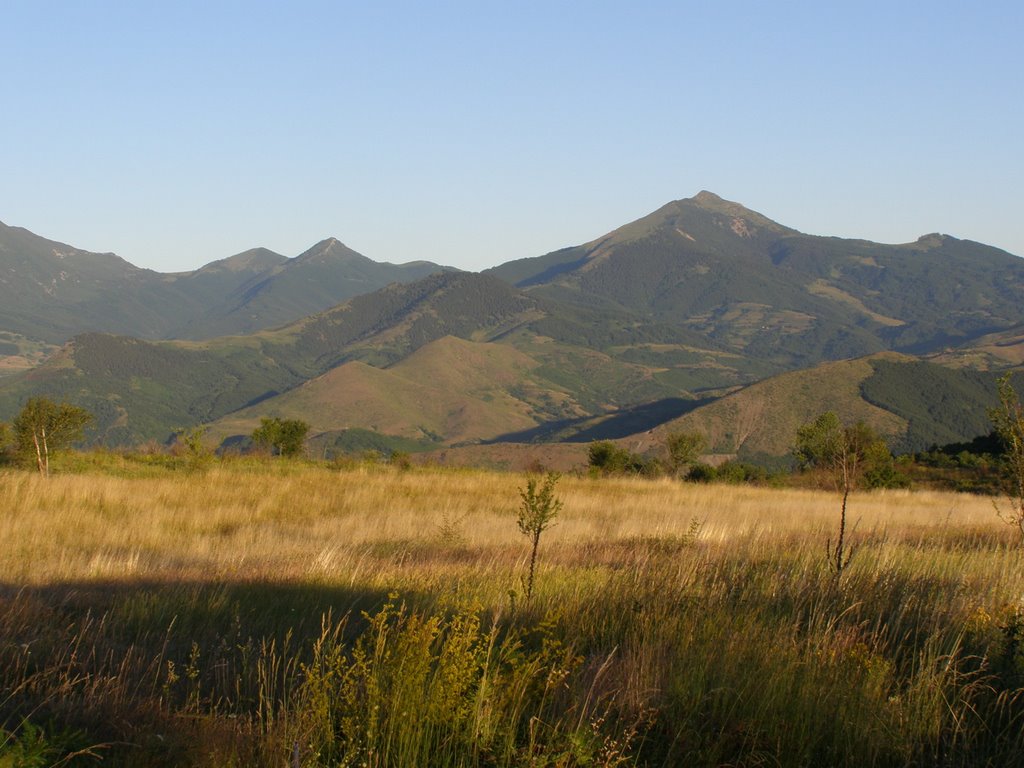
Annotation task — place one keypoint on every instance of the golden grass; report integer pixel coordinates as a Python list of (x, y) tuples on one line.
[(703, 617), (272, 523)]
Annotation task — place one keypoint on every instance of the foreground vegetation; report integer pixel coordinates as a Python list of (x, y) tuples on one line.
[(269, 613)]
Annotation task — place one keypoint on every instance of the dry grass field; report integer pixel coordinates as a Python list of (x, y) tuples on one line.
[(288, 614)]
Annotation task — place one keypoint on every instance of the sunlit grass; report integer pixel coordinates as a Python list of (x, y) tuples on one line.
[(673, 623), (290, 525)]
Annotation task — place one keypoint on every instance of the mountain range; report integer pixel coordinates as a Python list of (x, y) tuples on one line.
[(702, 315), (50, 291)]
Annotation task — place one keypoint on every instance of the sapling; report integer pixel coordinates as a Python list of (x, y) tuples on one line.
[(537, 511), (844, 452)]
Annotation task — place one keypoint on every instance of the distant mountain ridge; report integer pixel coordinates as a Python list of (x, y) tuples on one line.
[(756, 286), (317, 279), (672, 318), (51, 291)]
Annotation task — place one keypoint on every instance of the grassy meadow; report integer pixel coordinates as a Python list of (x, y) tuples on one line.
[(279, 613)]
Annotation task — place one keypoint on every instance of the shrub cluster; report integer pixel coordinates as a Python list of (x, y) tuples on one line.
[(733, 472), (607, 458)]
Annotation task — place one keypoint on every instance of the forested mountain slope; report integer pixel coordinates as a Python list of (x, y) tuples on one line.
[(50, 291)]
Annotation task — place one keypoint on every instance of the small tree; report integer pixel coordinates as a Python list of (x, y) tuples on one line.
[(537, 511), (44, 427), (843, 453), (683, 449), (190, 441), (1008, 420), (284, 437)]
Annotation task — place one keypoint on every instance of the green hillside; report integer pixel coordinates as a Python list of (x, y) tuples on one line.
[(51, 291), (763, 417), (450, 391), (941, 405), (754, 286), (139, 390), (702, 314), (914, 403), (318, 279), (142, 390), (450, 358)]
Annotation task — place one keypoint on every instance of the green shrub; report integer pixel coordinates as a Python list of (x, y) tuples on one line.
[(607, 458), (702, 473), (285, 437)]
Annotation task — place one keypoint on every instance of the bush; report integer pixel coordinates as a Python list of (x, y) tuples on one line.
[(702, 473), (607, 458), (733, 472), (742, 472)]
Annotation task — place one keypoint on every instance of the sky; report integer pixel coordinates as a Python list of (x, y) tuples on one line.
[(472, 133)]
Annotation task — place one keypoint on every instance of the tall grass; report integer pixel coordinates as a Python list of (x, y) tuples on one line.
[(278, 613)]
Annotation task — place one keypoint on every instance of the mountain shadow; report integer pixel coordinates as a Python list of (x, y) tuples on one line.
[(619, 424)]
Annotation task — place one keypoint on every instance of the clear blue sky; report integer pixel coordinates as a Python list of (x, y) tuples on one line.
[(473, 133)]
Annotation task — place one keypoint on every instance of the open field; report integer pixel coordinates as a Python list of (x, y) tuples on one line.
[(281, 613)]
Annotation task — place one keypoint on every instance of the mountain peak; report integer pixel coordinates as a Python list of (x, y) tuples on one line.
[(707, 198), (330, 248), (931, 240), (328, 244), (712, 203), (254, 259), (709, 201)]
